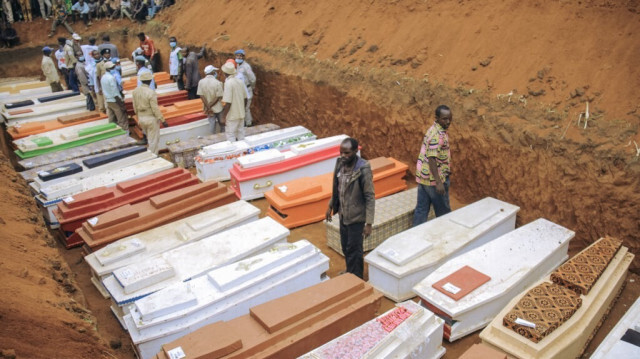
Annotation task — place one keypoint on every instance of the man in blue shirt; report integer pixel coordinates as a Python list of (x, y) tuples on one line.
[(113, 97), (81, 8), (140, 64)]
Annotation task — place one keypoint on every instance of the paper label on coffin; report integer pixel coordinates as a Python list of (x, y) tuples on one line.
[(413, 247), (261, 158), (177, 233), (119, 250), (318, 145), (141, 275), (461, 282)]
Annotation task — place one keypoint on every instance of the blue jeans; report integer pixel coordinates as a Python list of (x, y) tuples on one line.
[(427, 196), (73, 81)]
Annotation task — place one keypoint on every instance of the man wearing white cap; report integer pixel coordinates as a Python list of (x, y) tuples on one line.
[(210, 92), (49, 70), (245, 73), (234, 99), (145, 105), (141, 65), (111, 92)]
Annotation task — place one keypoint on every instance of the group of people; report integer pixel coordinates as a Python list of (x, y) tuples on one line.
[(64, 12), (353, 195)]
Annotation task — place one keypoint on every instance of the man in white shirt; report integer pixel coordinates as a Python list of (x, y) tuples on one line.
[(113, 98), (234, 101), (249, 79)]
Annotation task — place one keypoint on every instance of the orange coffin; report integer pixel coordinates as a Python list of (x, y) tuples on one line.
[(158, 210), (304, 200), (160, 78), (286, 327)]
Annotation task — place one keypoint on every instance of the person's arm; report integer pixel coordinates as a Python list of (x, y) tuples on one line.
[(334, 193), (202, 51), (153, 102), (152, 48), (369, 198)]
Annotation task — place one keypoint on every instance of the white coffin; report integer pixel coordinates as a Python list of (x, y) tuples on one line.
[(224, 293), (514, 261), (38, 184), (612, 346), (418, 336), (60, 136), (194, 259), (187, 131), (50, 196), (406, 258), (36, 102), (253, 188), (48, 117), (150, 243), (214, 162), (43, 110)]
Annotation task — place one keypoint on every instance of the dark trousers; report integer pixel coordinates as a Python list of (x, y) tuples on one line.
[(351, 240), (65, 76), (180, 82), (73, 81), (427, 196), (192, 93), (90, 105)]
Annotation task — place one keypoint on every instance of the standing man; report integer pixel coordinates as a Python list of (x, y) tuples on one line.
[(61, 14), (210, 92), (83, 81), (60, 57), (145, 105), (106, 44), (70, 60), (433, 169), (175, 63), (353, 198), (97, 84), (191, 70), (141, 62), (49, 70), (249, 78), (149, 50), (117, 112), (234, 99)]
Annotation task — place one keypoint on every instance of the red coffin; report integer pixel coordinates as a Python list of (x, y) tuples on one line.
[(168, 98), (99, 200), (158, 210)]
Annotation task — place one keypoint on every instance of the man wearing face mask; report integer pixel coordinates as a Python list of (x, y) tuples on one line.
[(433, 169), (97, 75), (115, 102), (175, 63), (83, 80), (245, 73), (353, 198)]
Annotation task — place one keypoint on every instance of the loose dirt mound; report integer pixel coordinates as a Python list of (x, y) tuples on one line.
[(40, 309)]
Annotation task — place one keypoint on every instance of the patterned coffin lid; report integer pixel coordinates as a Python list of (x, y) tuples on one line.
[(547, 306), (582, 271)]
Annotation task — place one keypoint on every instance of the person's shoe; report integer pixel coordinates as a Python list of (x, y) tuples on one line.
[(141, 143), (90, 23), (50, 34)]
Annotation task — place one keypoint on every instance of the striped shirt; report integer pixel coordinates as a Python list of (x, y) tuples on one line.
[(435, 147)]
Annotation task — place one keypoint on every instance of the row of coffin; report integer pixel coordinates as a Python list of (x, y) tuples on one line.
[(166, 280)]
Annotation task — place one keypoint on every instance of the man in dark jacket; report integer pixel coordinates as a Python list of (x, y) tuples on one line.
[(353, 199), (191, 70)]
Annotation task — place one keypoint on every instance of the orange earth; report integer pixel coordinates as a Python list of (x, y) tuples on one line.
[(517, 75)]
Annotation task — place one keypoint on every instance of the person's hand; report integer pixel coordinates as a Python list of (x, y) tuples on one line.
[(223, 120), (367, 230), (440, 189), (165, 124), (328, 215)]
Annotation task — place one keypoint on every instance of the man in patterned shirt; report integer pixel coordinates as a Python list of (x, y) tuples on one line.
[(433, 169)]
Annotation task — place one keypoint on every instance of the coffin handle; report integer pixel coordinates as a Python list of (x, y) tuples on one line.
[(258, 186)]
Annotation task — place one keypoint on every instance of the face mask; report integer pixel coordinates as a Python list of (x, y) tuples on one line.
[(81, 58), (119, 68), (173, 44), (239, 61), (114, 71)]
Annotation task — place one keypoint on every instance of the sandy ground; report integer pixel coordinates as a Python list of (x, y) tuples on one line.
[(516, 74)]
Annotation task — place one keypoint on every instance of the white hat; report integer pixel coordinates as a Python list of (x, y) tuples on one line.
[(229, 69), (109, 65), (210, 68), (76, 37)]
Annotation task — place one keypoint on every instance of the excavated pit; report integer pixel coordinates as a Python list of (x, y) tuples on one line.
[(504, 148)]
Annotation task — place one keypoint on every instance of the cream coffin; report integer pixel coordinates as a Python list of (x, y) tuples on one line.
[(181, 264), (214, 162), (144, 245), (57, 137), (570, 338), (418, 336), (257, 173), (406, 258), (187, 131), (50, 196), (513, 261), (223, 294), (613, 346)]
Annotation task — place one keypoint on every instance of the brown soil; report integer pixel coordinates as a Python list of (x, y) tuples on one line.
[(377, 70)]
